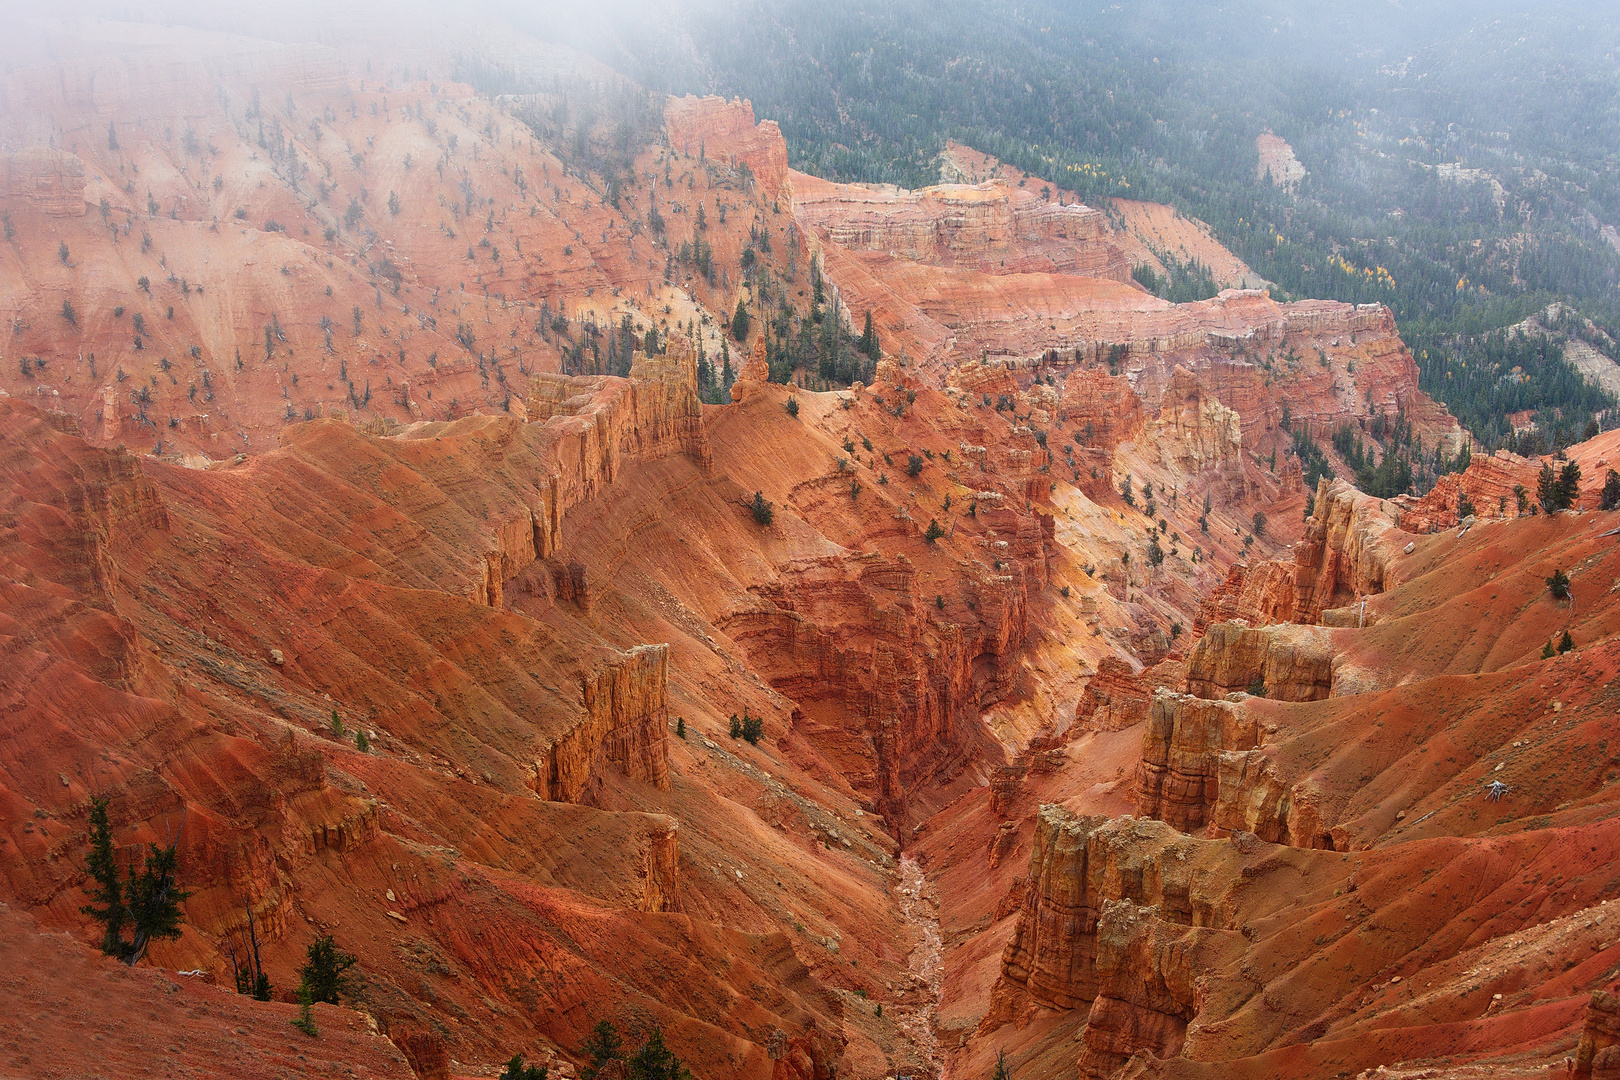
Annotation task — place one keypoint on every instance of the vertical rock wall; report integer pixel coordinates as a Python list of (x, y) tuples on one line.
[(625, 726)]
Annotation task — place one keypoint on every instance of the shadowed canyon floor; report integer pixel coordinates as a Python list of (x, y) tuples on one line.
[(343, 401)]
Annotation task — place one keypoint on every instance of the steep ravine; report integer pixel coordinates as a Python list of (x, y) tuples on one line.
[(919, 904)]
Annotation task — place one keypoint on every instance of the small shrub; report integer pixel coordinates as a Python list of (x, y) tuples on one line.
[(764, 512), (933, 532), (516, 1070), (305, 1021), (792, 406), (680, 727), (914, 465), (1257, 686), (1558, 585)]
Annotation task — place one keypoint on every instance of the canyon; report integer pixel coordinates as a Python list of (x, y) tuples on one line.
[(342, 397)]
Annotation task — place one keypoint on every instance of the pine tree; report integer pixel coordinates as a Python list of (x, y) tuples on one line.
[(1548, 493), (1558, 585), (655, 1061), (1002, 1072), (109, 893), (323, 971), (1569, 485), (1610, 499), (147, 904), (516, 1070), (869, 340), (739, 322), (601, 1046), (1565, 643)]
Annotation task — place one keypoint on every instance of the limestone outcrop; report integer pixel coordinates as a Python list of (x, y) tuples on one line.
[(1597, 1055), (1114, 915), (1290, 663), (624, 726), (1178, 778), (1115, 698), (1194, 431), (1146, 986), (1251, 798), (993, 227), (1103, 405), (1254, 594), (725, 131), (1346, 551)]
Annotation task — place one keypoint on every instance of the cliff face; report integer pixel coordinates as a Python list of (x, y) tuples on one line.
[(993, 227), (1597, 1055), (1346, 554), (1292, 663), (725, 131), (625, 726), (1117, 919), (1077, 866), (1115, 698), (887, 692), (1346, 551), (1194, 431), (1179, 776), (1495, 484), (1146, 986), (1252, 798), (1256, 594), (1103, 405)]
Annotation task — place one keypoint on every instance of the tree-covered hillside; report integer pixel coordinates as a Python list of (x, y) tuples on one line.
[(1462, 158)]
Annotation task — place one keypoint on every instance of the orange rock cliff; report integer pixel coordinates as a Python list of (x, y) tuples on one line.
[(330, 408)]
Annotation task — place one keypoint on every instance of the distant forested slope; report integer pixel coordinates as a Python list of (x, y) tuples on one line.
[(1461, 159)]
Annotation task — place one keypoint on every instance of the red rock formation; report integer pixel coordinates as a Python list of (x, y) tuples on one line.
[(1178, 778), (625, 725), (1345, 556), (1293, 663), (1114, 698), (1494, 485), (1146, 990), (1079, 867), (1345, 553), (993, 227), (40, 181), (1597, 1055), (725, 131), (1255, 595), (1102, 404), (1194, 431)]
